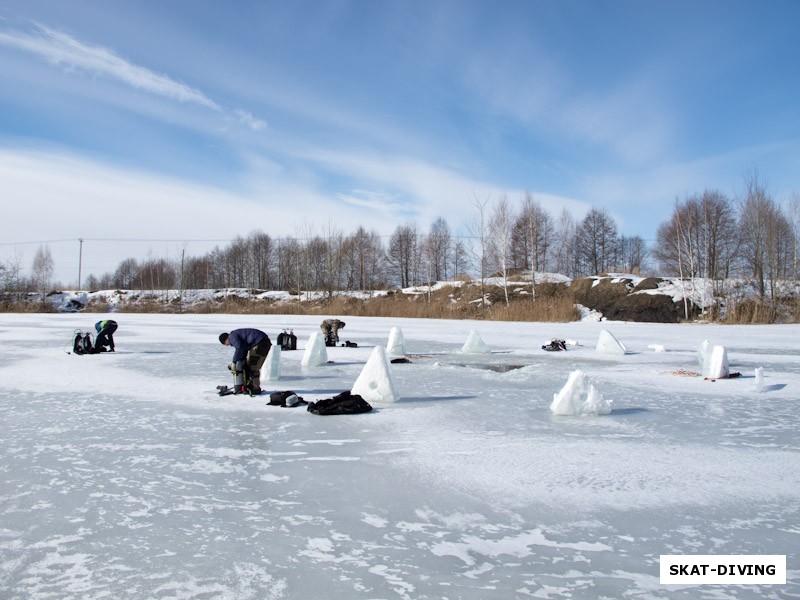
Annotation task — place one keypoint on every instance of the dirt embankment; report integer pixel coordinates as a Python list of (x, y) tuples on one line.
[(616, 300)]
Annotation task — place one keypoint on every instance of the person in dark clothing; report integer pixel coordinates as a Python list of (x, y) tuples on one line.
[(330, 329), (104, 340), (251, 347)]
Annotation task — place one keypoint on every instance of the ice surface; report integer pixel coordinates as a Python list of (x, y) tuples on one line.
[(396, 346), (272, 366), (579, 397), (608, 344), (475, 344), (126, 476), (316, 353), (376, 383)]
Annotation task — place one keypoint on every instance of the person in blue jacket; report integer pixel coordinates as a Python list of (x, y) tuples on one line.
[(251, 347), (104, 340)]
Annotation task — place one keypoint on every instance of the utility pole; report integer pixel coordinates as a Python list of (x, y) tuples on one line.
[(80, 262), (180, 301)]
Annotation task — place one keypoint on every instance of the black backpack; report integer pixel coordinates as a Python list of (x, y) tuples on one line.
[(82, 343), (341, 404), (285, 399)]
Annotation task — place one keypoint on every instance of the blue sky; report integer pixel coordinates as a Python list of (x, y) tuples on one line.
[(182, 124)]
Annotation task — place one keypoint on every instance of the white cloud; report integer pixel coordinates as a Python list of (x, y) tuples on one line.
[(59, 196), (74, 55), (421, 190), (374, 200), (248, 120), (63, 50), (629, 120)]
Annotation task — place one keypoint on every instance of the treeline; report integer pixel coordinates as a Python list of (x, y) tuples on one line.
[(708, 235)]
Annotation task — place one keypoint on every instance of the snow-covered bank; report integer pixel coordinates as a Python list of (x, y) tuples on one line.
[(124, 475), (614, 296)]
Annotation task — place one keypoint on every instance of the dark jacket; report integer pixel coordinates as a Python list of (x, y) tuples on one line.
[(100, 325), (243, 340)]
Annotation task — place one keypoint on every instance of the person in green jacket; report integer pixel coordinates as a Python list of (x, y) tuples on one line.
[(104, 340)]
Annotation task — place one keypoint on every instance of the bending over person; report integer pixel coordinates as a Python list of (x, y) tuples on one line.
[(251, 349), (104, 341)]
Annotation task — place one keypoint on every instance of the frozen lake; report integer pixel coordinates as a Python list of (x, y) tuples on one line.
[(125, 476)]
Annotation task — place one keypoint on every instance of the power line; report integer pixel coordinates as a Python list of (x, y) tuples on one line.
[(38, 242)]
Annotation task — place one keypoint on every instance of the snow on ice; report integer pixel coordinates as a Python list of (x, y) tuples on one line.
[(124, 475)]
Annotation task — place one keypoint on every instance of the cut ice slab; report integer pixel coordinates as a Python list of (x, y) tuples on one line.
[(316, 353), (717, 367), (376, 383), (396, 346), (579, 397), (475, 344), (272, 367), (608, 344)]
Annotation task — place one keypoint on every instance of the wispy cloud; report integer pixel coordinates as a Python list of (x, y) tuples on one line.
[(416, 190), (74, 55), (627, 116), (380, 201), (248, 120), (61, 49)]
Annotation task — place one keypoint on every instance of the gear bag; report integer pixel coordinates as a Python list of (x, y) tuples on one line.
[(341, 404), (286, 399)]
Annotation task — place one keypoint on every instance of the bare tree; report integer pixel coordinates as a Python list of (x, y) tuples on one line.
[(92, 283), (765, 234), (532, 235), (478, 229), (11, 278), (719, 237), (125, 274), (156, 274), (403, 254), (676, 245), (459, 258), (197, 272), (438, 246), (42, 270), (794, 219), (499, 240), (290, 259), (334, 278), (597, 241), (262, 254), (362, 260), (633, 254), (566, 245)]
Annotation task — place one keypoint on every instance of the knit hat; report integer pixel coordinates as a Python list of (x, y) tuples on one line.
[(223, 337)]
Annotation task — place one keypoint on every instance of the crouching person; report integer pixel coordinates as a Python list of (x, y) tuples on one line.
[(251, 349), (330, 329), (104, 340)]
